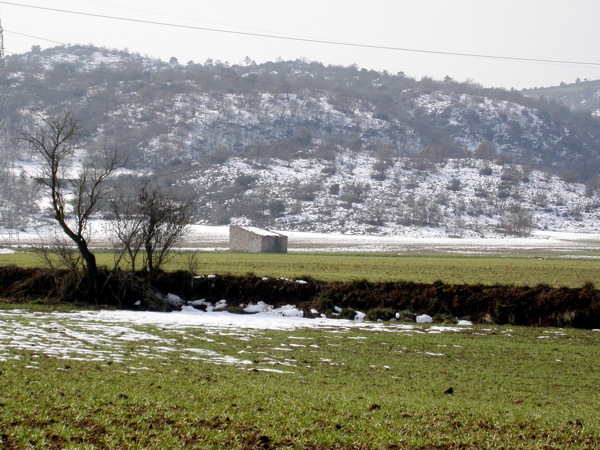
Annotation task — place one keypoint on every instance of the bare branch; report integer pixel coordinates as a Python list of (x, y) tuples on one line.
[(74, 199)]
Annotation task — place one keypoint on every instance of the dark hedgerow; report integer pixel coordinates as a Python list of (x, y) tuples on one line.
[(541, 305)]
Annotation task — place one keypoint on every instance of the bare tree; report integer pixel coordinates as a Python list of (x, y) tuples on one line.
[(164, 221), (517, 220), (150, 225), (56, 254), (126, 230), (74, 198), (192, 264)]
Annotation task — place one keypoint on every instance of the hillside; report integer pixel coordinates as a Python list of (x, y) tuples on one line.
[(581, 95), (299, 145)]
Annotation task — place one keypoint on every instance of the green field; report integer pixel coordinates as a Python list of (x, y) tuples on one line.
[(509, 270), (422, 269), (70, 381)]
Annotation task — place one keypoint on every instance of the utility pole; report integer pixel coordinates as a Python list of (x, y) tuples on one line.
[(1, 41)]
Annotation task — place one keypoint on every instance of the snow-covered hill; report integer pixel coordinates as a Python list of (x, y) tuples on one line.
[(457, 198), (581, 95), (297, 145)]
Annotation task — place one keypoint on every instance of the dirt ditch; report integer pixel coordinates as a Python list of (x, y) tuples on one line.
[(540, 305)]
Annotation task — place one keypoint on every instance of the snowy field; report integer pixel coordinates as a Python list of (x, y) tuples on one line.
[(216, 238), (109, 335), (211, 238)]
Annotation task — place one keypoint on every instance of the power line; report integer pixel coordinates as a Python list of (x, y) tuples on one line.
[(309, 40), (224, 75), (35, 37)]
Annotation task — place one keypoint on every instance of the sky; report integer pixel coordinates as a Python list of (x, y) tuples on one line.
[(497, 43)]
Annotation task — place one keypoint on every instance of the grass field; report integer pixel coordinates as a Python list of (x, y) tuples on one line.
[(423, 269), (71, 380), (525, 271)]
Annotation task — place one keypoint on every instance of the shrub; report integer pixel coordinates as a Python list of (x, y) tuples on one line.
[(454, 185), (486, 170), (276, 208), (347, 313), (354, 192), (326, 302), (304, 191), (385, 314)]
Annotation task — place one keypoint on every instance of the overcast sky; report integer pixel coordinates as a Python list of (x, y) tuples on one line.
[(416, 37)]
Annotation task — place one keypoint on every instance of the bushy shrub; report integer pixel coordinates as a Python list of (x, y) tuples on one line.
[(355, 192), (347, 313), (454, 185), (486, 170), (384, 314), (326, 302)]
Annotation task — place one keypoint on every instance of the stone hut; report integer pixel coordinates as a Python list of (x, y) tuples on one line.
[(256, 240)]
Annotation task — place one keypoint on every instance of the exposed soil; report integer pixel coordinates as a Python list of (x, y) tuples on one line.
[(517, 305)]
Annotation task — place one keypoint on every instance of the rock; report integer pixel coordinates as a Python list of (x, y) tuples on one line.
[(424, 318), (155, 301), (174, 300), (200, 302), (288, 311), (258, 308), (220, 306), (360, 316)]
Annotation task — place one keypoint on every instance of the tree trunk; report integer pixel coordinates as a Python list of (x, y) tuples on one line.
[(91, 271), (88, 257), (90, 266)]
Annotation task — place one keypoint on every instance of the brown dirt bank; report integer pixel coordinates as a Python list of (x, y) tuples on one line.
[(517, 305)]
